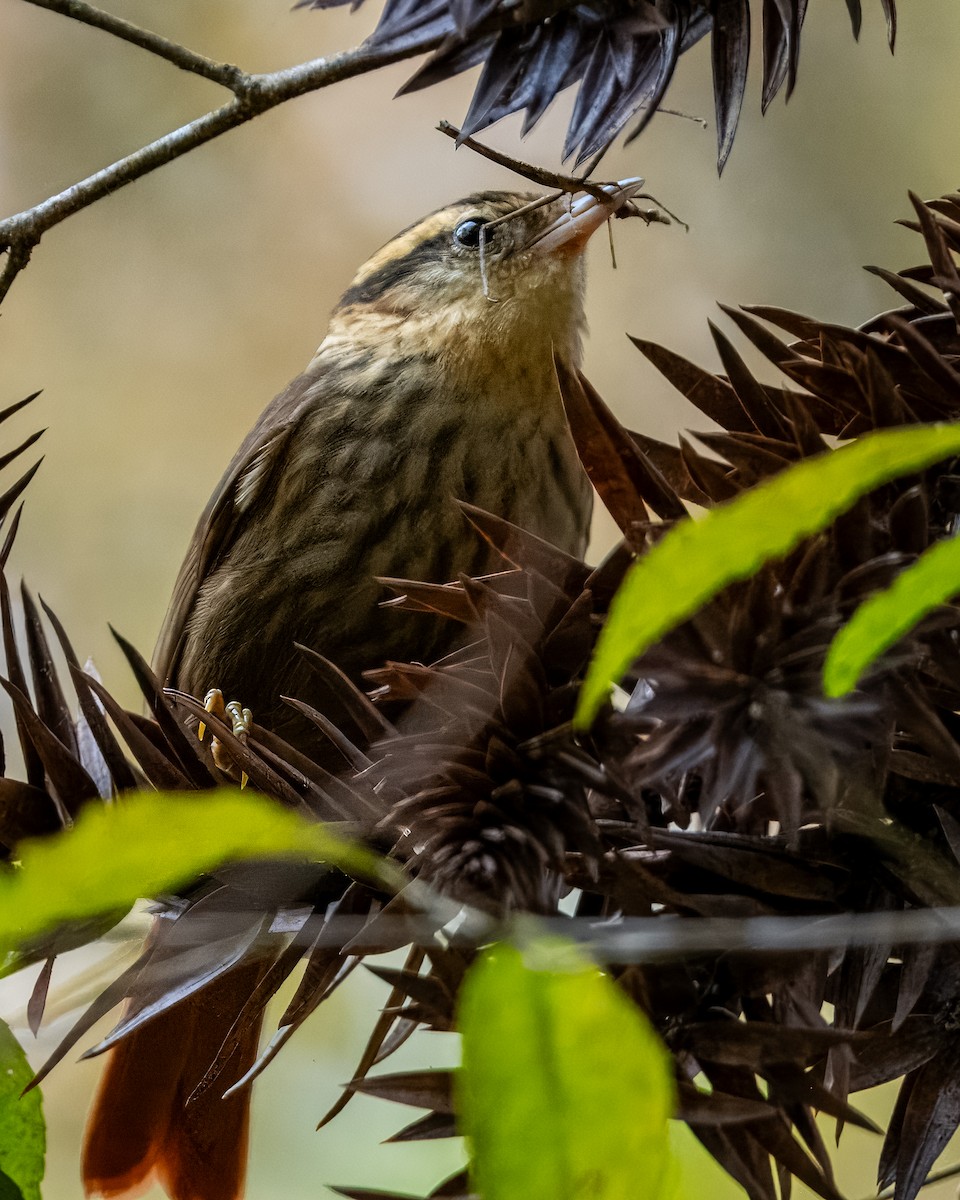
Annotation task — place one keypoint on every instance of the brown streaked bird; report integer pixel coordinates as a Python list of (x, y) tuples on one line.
[(436, 382)]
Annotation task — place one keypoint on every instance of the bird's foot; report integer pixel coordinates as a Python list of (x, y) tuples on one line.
[(240, 720)]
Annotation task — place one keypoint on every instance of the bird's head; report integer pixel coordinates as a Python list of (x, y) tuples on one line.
[(496, 268)]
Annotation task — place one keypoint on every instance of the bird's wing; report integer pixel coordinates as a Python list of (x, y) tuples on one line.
[(247, 481)]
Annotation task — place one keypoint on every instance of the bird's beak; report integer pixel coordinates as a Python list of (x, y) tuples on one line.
[(581, 216)]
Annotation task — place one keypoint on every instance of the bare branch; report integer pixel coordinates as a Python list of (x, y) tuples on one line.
[(253, 94), (223, 73)]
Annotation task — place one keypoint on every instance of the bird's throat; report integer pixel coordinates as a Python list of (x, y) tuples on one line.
[(502, 350)]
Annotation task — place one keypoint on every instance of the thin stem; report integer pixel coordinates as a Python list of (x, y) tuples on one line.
[(631, 939), (18, 255), (223, 73), (560, 182), (539, 175)]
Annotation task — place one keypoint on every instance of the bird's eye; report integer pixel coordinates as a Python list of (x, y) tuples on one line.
[(467, 233)]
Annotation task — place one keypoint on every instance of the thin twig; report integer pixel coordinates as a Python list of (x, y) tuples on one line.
[(558, 181), (223, 73), (631, 939), (524, 209), (18, 255), (253, 94), (675, 112), (648, 217), (538, 175), (670, 112)]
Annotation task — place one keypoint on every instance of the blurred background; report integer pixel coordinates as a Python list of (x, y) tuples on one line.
[(160, 321)]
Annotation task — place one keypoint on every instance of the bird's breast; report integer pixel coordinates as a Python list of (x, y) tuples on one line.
[(369, 488), (422, 434)]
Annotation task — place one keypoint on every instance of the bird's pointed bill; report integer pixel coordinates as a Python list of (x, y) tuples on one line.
[(582, 217)]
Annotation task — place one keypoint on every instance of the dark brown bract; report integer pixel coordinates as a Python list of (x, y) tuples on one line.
[(621, 54)]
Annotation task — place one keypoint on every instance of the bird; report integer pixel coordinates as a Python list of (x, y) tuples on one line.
[(435, 383)]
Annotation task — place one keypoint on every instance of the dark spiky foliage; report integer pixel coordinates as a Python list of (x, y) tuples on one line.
[(724, 785), (485, 804), (622, 55)]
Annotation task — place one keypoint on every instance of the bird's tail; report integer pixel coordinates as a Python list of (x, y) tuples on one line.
[(147, 1126)]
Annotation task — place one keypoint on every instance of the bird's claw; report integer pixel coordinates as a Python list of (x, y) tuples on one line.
[(240, 720)]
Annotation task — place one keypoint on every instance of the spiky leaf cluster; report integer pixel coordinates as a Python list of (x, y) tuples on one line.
[(621, 54), (725, 785), (484, 804)]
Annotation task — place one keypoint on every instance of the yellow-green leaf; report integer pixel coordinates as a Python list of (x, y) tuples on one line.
[(22, 1130), (565, 1090), (151, 843), (884, 618), (697, 558)]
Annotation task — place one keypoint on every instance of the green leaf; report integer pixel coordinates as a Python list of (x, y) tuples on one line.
[(151, 843), (698, 558), (884, 618), (565, 1090), (22, 1132)]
